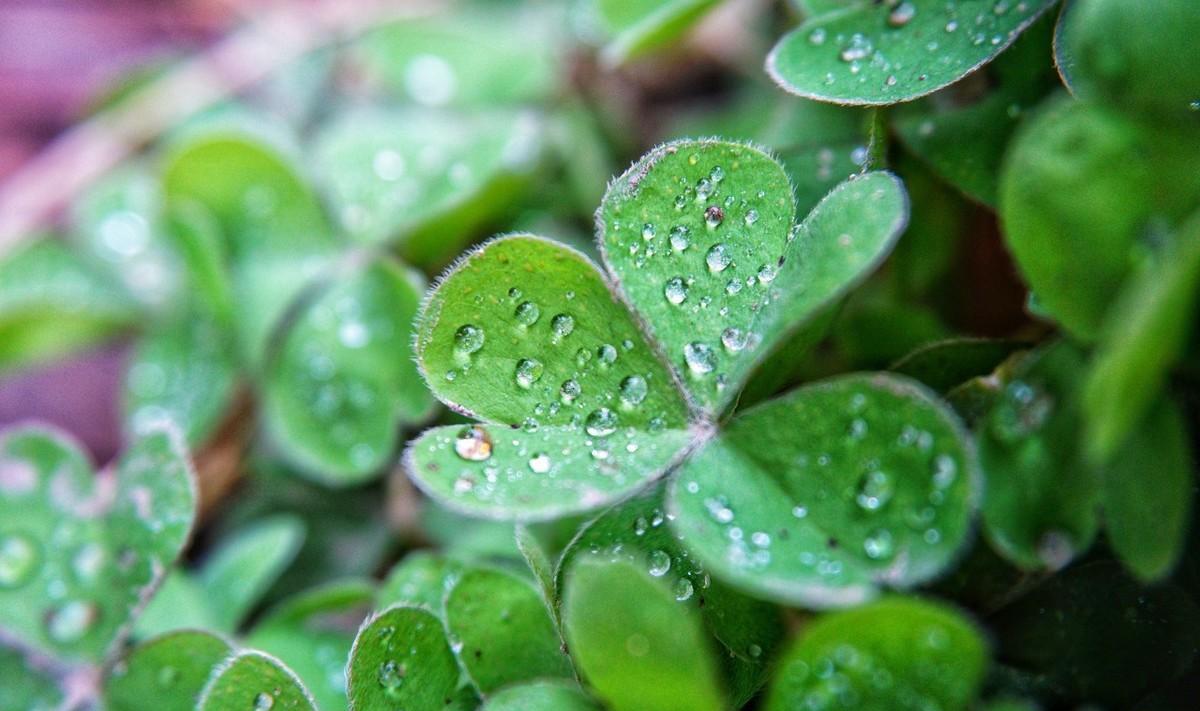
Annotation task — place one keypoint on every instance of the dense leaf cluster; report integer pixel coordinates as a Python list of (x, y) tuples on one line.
[(756, 424)]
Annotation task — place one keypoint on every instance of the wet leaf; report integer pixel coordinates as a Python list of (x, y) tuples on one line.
[(505, 630), (421, 578), (699, 236), (540, 696), (79, 552), (637, 27), (884, 53), (344, 380), (843, 486), (166, 673), (254, 680), (1039, 510), (897, 653), (401, 659), (635, 645)]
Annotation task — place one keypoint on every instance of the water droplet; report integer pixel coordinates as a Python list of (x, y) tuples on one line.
[(878, 545), (88, 561), (952, 26), (20, 557), (528, 372), (675, 290), (660, 563), (72, 621), (570, 390), (391, 676), (263, 701), (468, 339), (514, 293), (944, 471), (751, 217), (607, 354), (717, 258), (601, 423), (562, 325), (527, 313), (858, 48), (540, 463), (683, 589), (473, 444), (902, 14), (633, 390), (875, 489), (733, 286), (817, 37), (699, 357), (799, 511), (648, 231), (858, 428), (766, 274), (734, 339), (713, 216), (679, 238)]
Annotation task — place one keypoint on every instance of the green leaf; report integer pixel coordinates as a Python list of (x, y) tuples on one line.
[(401, 660), (540, 696), (841, 486), (183, 370), (312, 633), (421, 578), (638, 27), (251, 181), (897, 653), (637, 531), (504, 54), (1142, 337), (166, 673), (254, 680), (240, 571), (1102, 48), (505, 630), (493, 471), (424, 179), (25, 685), (344, 380), (885, 53), (51, 303), (555, 355), (1076, 226), (1147, 493), (1039, 510), (79, 552), (637, 647), (118, 222), (538, 560), (699, 237), (179, 603)]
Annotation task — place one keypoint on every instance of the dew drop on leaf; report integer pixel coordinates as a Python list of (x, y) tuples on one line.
[(528, 372), (633, 390), (713, 216), (675, 290), (659, 563), (679, 238), (607, 354), (539, 463), (683, 589), (875, 489), (473, 444), (527, 313), (468, 339), (699, 357), (717, 258), (878, 545), (570, 390), (601, 422), (562, 325), (71, 621), (263, 701), (902, 14), (20, 557)]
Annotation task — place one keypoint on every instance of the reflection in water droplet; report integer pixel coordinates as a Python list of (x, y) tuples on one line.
[(570, 390), (601, 422), (683, 589), (562, 325), (713, 216), (468, 339), (699, 357), (528, 372), (659, 563), (527, 313), (473, 444)]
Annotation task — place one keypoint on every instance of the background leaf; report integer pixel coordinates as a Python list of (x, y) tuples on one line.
[(401, 657)]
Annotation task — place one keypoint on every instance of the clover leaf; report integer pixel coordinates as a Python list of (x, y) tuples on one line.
[(874, 53), (167, 672), (254, 680), (87, 549), (401, 658)]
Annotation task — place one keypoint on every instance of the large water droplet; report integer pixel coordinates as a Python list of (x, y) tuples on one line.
[(562, 325), (527, 313), (648, 231), (683, 589), (659, 563), (713, 216), (633, 390), (902, 14), (528, 372), (679, 238), (570, 390), (699, 357), (875, 489), (607, 354), (468, 339), (718, 258), (601, 422), (70, 622), (391, 677), (675, 290), (857, 49), (539, 463), (734, 339), (263, 701), (473, 444), (20, 556)]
